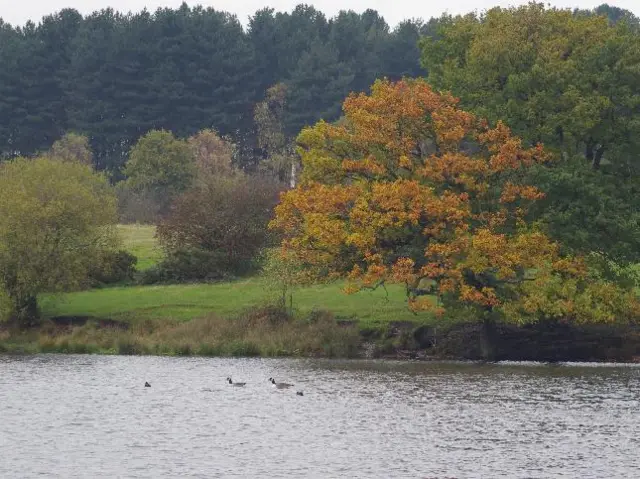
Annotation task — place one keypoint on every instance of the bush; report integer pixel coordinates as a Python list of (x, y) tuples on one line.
[(217, 228), (118, 266), (190, 265)]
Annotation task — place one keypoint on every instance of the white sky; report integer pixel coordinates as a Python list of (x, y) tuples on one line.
[(18, 12)]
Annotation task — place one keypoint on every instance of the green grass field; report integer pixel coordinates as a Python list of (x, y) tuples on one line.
[(185, 302), (140, 241)]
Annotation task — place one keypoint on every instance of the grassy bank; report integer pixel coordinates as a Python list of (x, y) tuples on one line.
[(257, 332), (228, 299), (233, 319), (227, 318), (269, 331)]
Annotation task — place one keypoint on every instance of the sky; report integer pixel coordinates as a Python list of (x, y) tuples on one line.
[(18, 12)]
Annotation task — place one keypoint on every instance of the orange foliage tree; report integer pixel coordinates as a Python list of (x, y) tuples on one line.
[(409, 188)]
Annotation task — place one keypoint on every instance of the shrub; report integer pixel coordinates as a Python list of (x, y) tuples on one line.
[(217, 228), (160, 162), (118, 266), (188, 265)]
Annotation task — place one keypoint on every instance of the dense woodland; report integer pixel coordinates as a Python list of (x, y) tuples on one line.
[(113, 77), (494, 164)]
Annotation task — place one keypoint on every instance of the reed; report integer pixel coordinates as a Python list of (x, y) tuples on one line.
[(260, 331)]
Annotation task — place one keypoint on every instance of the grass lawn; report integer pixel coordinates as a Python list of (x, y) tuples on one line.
[(187, 302), (140, 241)]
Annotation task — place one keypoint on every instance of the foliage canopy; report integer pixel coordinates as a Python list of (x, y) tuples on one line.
[(571, 81), (411, 189), (161, 163), (567, 80), (217, 227), (56, 224)]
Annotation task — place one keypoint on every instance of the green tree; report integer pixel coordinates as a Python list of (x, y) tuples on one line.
[(35, 60), (614, 14), (160, 163), (10, 93), (568, 81), (359, 41), (92, 107), (56, 223), (317, 85), (589, 211), (401, 52)]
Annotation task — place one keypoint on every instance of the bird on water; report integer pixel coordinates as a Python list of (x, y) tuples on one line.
[(279, 385), (235, 384), (147, 385)]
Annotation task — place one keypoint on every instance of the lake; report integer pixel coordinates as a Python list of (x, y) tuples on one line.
[(91, 416)]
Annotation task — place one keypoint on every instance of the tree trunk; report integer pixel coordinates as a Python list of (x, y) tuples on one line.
[(292, 181), (589, 151), (488, 341), (597, 157)]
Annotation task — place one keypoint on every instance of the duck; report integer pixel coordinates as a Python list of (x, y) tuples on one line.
[(299, 393), (235, 384), (147, 385), (279, 385)]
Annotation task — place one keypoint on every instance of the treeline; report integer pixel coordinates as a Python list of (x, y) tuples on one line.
[(114, 77)]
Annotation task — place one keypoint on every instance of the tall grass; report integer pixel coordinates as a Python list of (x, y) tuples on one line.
[(264, 331)]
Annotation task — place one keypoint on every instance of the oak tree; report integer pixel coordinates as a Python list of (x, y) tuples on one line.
[(409, 188)]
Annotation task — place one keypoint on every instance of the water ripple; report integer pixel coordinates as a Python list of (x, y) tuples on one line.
[(90, 416)]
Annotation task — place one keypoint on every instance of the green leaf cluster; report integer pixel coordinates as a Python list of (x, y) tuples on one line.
[(568, 80), (56, 224), (161, 162)]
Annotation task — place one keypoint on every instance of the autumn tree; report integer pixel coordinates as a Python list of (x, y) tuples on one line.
[(212, 153), (72, 147), (56, 225), (409, 188)]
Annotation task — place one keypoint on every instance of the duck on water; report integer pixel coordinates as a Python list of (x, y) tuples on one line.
[(279, 385), (235, 384)]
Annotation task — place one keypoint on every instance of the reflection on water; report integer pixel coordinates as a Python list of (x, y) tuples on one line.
[(91, 416)]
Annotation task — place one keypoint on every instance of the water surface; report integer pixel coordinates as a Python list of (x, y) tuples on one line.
[(91, 416)]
